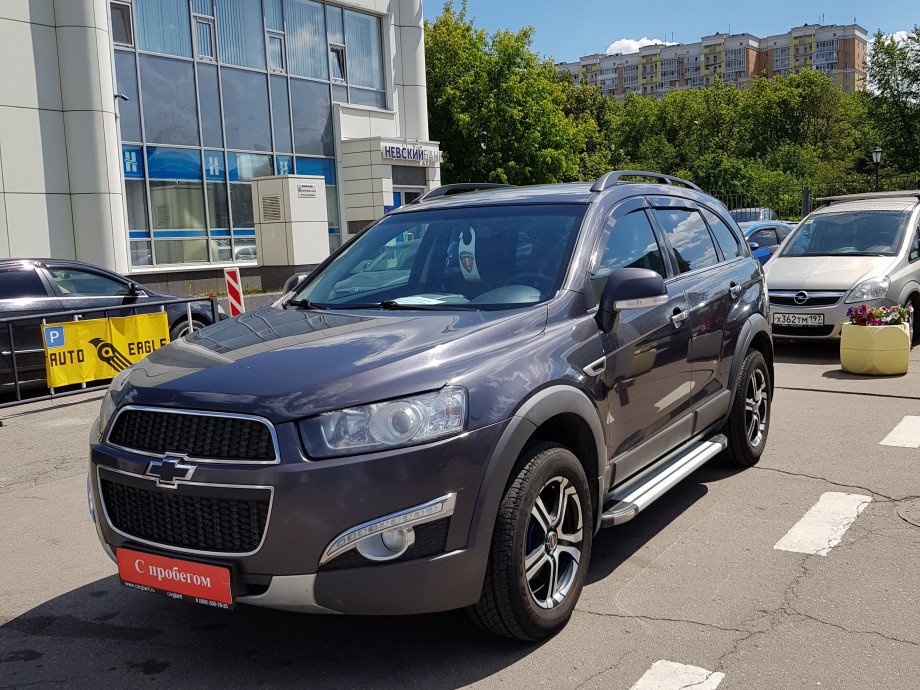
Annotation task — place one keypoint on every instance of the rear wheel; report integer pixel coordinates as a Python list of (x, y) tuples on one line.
[(540, 547), (749, 421), (182, 328)]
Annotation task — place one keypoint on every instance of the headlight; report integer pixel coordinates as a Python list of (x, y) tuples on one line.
[(108, 407), (874, 288), (391, 424)]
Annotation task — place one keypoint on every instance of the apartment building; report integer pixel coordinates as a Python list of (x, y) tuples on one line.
[(836, 50)]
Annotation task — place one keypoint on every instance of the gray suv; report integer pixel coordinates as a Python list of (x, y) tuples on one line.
[(552, 361)]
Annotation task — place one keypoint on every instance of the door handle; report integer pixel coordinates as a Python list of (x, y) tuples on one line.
[(734, 290), (678, 317)]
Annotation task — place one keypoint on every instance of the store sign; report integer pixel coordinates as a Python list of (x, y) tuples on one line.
[(131, 161), (97, 349), (306, 191), (415, 153)]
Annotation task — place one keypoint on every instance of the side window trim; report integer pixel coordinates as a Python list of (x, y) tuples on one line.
[(685, 205), (739, 238)]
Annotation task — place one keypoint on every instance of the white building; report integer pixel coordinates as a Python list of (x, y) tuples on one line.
[(130, 130)]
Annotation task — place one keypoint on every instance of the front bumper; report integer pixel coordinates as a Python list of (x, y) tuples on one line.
[(834, 318), (312, 503)]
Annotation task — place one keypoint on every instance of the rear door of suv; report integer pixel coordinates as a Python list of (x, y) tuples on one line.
[(718, 275), (647, 371)]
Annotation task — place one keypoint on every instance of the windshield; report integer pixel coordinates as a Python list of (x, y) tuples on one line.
[(746, 215), (852, 233), (480, 257)]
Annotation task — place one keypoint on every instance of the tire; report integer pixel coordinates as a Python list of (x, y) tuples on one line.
[(914, 323), (533, 609), (180, 327), (749, 421)]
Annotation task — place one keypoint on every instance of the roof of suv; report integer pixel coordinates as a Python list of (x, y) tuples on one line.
[(566, 193)]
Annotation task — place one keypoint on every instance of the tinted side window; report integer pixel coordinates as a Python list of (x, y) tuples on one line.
[(76, 282), (21, 283), (765, 237), (782, 233), (915, 247), (689, 238), (724, 236)]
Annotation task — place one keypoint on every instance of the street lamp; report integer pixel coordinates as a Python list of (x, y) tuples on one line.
[(877, 159)]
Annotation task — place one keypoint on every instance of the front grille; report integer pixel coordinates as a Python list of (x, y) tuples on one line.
[(813, 331), (820, 300), (430, 540), (193, 519), (197, 435)]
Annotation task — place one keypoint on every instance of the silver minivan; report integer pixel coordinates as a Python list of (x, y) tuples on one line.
[(857, 249)]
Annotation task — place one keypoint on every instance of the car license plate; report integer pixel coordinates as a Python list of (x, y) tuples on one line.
[(798, 319), (200, 582)]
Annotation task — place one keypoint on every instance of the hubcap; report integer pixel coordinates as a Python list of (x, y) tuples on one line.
[(552, 548), (756, 407)]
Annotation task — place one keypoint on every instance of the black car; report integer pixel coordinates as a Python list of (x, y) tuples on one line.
[(36, 287), (555, 359)]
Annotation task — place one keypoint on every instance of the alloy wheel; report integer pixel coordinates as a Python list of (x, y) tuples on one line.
[(756, 407), (553, 543)]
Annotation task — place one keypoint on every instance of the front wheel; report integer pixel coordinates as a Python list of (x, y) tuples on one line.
[(182, 327), (540, 547), (749, 421)]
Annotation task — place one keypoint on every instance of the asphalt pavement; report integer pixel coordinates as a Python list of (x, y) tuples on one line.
[(800, 572)]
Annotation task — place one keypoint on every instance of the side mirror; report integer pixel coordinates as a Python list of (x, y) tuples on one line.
[(630, 288), (133, 288), (754, 246), (290, 283)]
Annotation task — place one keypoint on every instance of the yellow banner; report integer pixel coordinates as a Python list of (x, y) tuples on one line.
[(97, 349)]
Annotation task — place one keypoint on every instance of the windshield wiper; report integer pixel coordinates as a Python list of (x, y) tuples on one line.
[(304, 304), (392, 304)]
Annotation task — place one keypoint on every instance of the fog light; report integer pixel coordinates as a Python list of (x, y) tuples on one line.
[(387, 545), (389, 536)]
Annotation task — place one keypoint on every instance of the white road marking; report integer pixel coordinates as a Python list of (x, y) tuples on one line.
[(905, 435), (824, 525), (668, 675)]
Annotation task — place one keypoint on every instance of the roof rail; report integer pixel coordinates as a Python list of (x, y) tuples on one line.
[(458, 188), (607, 180), (867, 195)]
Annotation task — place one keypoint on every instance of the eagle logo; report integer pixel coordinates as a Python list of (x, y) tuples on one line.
[(109, 354)]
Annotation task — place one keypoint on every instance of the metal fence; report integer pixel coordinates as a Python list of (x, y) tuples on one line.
[(13, 376), (793, 202)]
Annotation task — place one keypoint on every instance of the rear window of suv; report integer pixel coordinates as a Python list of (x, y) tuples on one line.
[(848, 233)]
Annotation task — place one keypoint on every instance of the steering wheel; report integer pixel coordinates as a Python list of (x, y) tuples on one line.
[(525, 278)]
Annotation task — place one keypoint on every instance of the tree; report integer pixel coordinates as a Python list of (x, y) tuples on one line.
[(498, 110), (894, 75)]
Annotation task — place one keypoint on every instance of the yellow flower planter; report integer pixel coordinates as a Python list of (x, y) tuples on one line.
[(875, 350)]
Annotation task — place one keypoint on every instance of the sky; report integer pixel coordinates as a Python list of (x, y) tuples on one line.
[(567, 29)]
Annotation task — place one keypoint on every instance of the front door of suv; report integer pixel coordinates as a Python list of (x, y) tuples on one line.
[(647, 371), (716, 273)]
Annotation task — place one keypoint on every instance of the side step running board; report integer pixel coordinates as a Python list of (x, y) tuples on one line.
[(627, 502)]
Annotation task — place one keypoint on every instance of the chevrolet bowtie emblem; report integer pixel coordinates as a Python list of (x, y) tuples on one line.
[(169, 469)]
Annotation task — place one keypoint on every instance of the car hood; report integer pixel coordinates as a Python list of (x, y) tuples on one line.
[(823, 272), (284, 364)]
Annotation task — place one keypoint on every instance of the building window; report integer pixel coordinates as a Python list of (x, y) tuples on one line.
[(337, 63), (276, 52), (306, 33), (281, 114), (312, 113), (204, 38), (168, 93), (163, 27), (122, 33), (246, 120), (212, 132), (177, 205), (365, 59), (240, 33), (129, 113)]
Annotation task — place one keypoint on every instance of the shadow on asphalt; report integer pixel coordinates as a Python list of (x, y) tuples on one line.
[(104, 634)]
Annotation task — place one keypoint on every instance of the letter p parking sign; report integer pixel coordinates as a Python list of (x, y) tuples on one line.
[(54, 337)]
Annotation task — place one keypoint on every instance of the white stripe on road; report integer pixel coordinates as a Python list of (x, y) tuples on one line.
[(824, 525), (668, 675), (905, 435)]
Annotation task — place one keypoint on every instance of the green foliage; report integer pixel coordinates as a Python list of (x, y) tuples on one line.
[(503, 114)]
